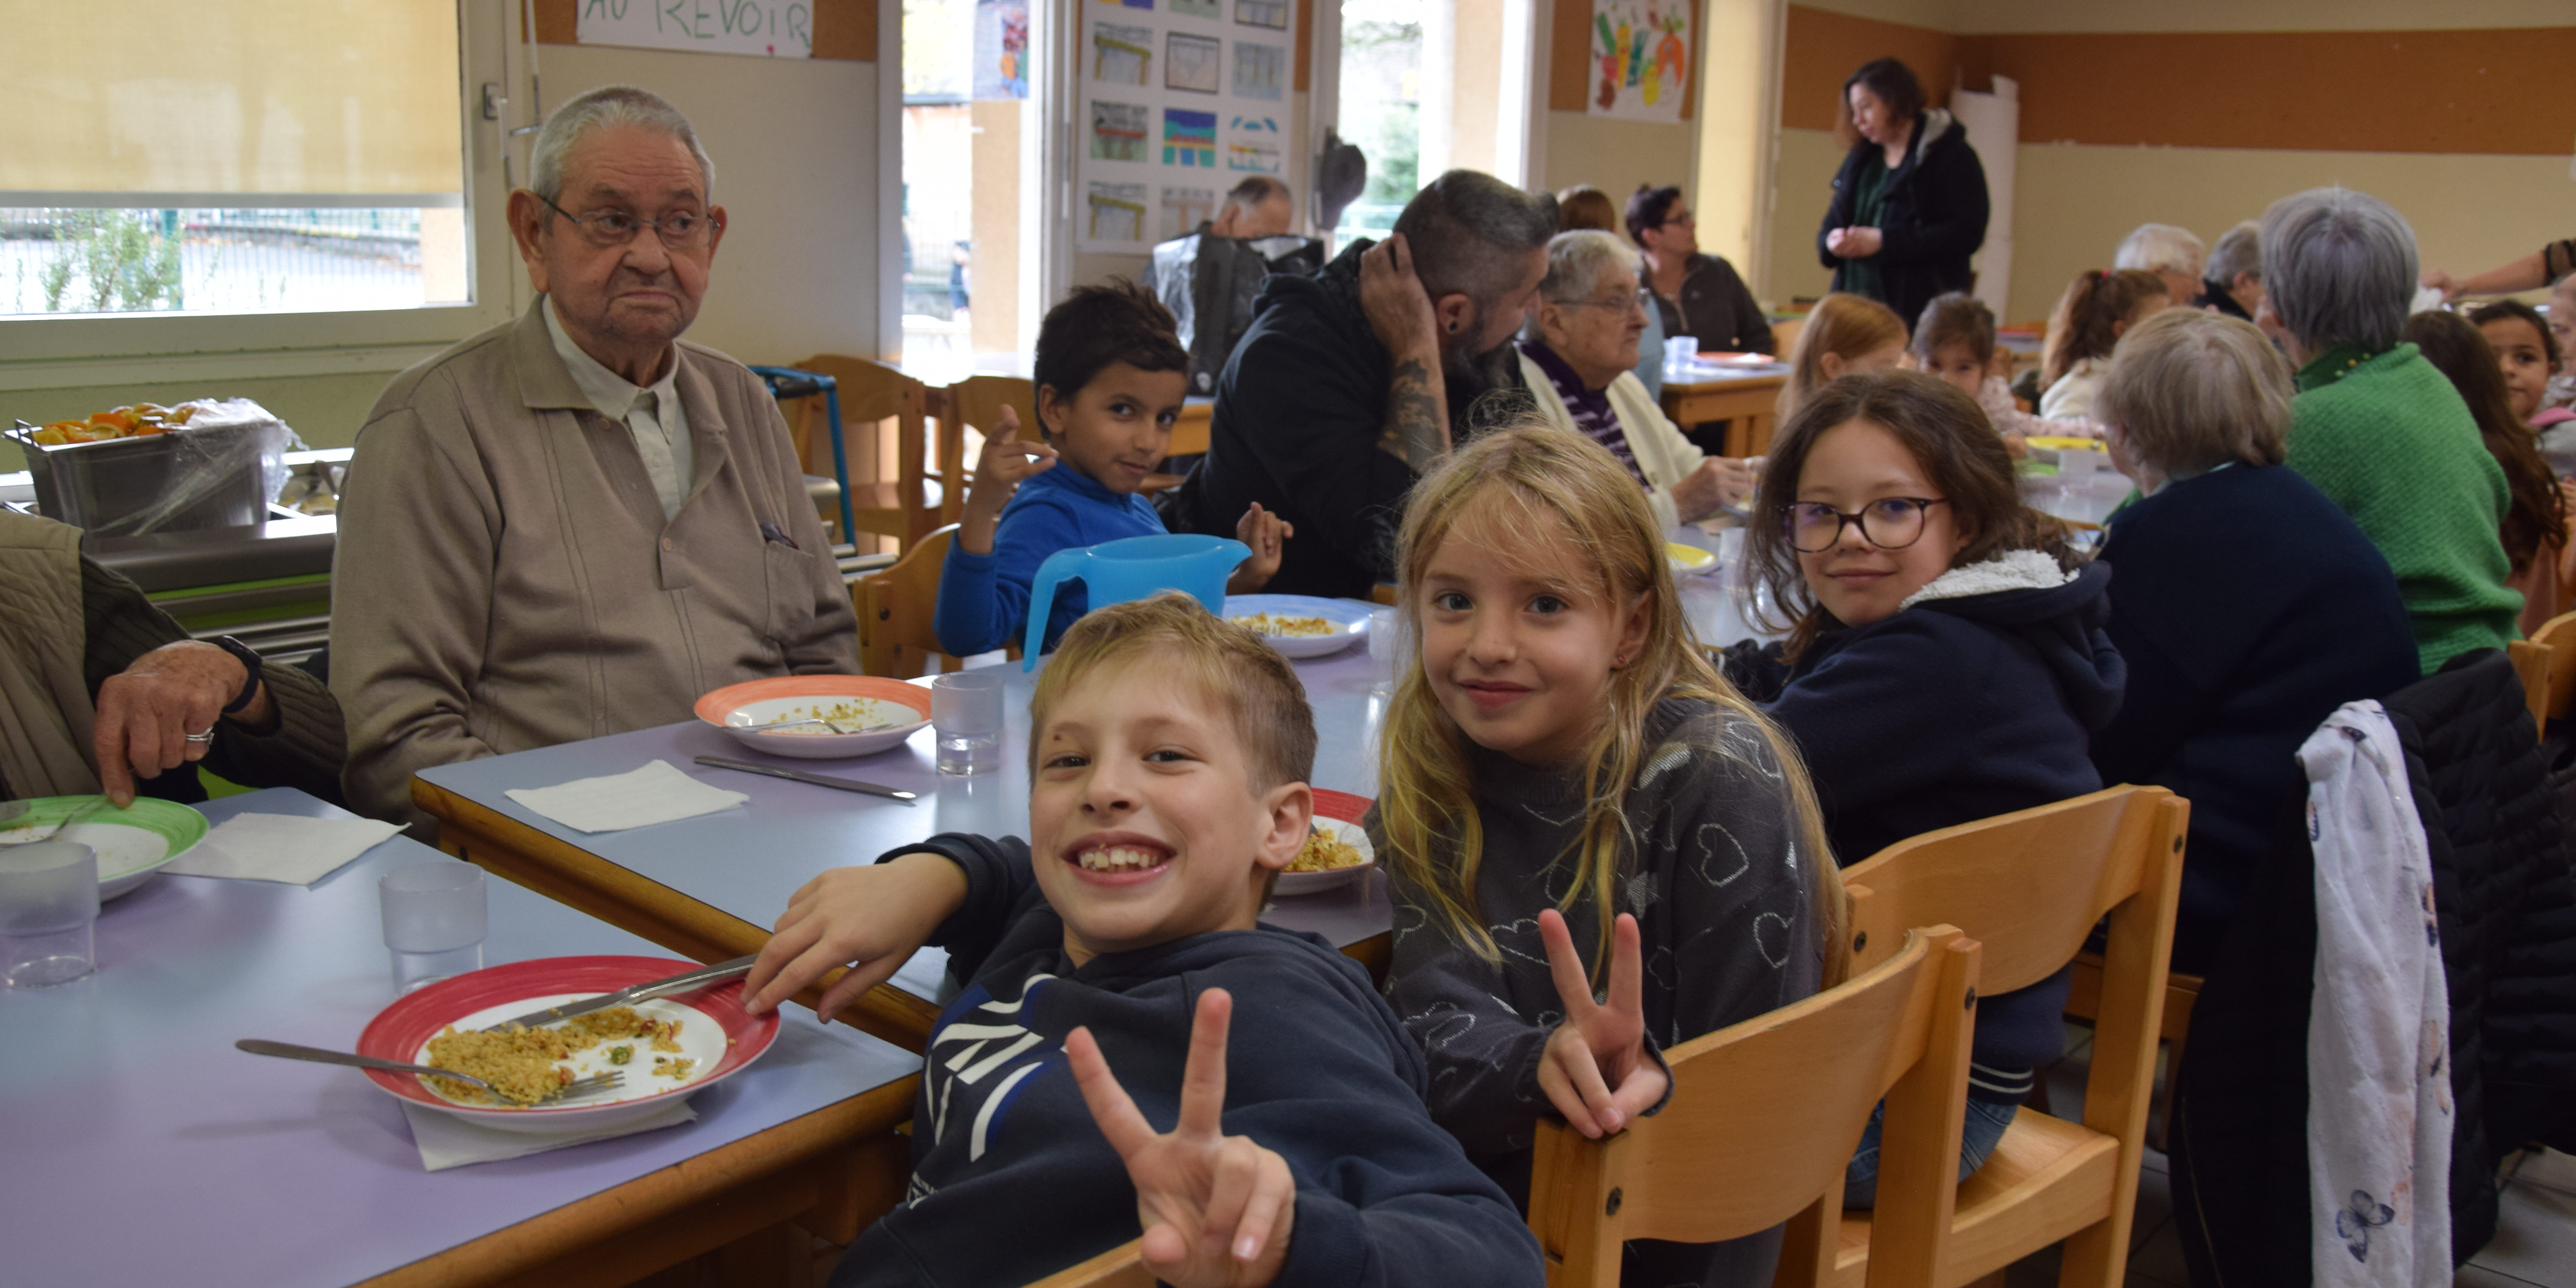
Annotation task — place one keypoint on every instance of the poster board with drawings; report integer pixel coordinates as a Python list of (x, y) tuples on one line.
[(1640, 65), (1182, 100)]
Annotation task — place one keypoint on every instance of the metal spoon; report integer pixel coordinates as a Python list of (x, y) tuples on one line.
[(68, 819)]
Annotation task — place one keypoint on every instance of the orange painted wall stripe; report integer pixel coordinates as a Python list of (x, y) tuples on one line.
[(2489, 92)]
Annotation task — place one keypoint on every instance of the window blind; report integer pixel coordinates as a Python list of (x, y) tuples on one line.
[(232, 103)]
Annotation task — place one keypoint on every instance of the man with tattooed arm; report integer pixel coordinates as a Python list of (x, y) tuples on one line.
[(1352, 382)]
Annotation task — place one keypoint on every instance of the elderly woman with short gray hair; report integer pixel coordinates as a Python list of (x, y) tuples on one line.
[(2232, 281), (1578, 354), (2380, 430), (2232, 661)]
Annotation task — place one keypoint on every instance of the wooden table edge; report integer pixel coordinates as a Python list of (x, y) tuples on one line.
[(573, 876), (621, 1210)]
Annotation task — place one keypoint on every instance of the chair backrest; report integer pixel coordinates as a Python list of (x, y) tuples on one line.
[(2556, 669), (1763, 1119), (1120, 1267), (977, 402), (895, 607), (872, 392)]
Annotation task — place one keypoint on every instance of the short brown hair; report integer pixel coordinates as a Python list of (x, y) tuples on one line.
[(2191, 391), (1233, 667), (1955, 317), (1585, 207), (1115, 321), (1961, 455)]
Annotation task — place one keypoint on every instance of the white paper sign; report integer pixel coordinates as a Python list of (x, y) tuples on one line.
[(763, 28)]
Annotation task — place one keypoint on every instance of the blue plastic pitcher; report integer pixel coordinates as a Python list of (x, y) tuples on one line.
[(1133, 568)]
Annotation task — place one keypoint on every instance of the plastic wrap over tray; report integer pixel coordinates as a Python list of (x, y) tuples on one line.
[(219, 470)]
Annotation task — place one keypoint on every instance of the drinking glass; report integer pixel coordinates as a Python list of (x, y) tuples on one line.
[(48, 913), (434, 920), (1382, 651), (966, 718), (1679, 352)]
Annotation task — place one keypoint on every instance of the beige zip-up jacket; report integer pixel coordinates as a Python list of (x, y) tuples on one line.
[(505, 578)]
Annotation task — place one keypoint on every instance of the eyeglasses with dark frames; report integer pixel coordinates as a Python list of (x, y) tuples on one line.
[(1889, 523), (607, 228)]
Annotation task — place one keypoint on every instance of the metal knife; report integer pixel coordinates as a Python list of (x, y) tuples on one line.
[(818, 780), (680, 983)]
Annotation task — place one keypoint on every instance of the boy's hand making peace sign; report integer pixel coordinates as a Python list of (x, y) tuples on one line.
[(1217, 1209), (1595, 1069), (1006, 460)]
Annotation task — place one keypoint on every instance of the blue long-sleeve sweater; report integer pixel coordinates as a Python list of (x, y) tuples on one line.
[(1013, 1181), (984, 599)]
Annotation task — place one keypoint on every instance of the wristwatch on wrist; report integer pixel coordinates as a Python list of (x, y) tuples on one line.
[(250, 663)]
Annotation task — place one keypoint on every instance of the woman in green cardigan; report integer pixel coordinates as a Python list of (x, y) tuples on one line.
[(2377, 428)]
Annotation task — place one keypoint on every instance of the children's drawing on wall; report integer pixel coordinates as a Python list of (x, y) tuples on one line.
[(1640, 58), (1212, 10), (1131, 4), (1120, 54), (1189, 138), (1117, 214), (1260, 71), (1193, 63), (1254, 144), (1184, 209), (1119, 131), (1001, 49), (1262, 13)]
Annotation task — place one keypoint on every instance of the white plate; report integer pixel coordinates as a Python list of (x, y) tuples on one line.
[(645, 1092), (1348, 833), (1350, 621)]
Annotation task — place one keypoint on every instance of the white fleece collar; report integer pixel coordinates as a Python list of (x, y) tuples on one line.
[(2011, 570), (1936, 123)]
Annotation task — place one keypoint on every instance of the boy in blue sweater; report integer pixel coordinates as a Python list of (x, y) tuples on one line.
[(1111, 374), (1084, 1085)]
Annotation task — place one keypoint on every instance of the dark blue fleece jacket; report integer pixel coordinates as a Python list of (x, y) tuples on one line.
[(2248, 607), (1959, 708), (1013, 1181), (984, 599)]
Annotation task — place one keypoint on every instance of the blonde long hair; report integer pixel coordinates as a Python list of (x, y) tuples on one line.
[(1846, 325), (1425, 798)]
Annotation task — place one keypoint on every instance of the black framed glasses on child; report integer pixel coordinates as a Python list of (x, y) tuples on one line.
[(1890, 523), (606, 228)]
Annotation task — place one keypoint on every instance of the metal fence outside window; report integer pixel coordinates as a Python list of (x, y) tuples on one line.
[(86, 261)]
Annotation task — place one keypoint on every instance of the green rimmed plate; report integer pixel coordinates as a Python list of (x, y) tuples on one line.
[(132, 844)]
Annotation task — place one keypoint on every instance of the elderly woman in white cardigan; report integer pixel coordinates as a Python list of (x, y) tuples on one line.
[(1578, 355)]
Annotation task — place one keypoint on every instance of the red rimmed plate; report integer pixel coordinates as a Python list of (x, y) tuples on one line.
[(894, 710), (714, 1031), (1337, 815)]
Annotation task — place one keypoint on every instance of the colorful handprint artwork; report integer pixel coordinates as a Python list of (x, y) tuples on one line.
[(1641, 56)]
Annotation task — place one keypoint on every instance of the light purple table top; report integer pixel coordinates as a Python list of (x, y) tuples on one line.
[(137, 1147), (749, 860)]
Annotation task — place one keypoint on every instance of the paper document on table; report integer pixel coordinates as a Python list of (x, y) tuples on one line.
[(288, 848), (657, 793), (446, 1140)]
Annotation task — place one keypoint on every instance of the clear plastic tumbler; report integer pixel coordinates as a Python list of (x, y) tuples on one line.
[(1382, 646), (48, 913), (966, 719), (434, 920)]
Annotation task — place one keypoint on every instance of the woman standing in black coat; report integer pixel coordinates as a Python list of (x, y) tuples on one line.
[(1909, 203)]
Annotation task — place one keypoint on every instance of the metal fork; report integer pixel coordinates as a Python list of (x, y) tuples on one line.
[(579, 1087)]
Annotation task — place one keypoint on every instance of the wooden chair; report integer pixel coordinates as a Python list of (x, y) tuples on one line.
[(912, 503), (2547, 664), (895, 606), (2031, 886), (1120, 1267), (977, 403), (2182, 992), (1764, 1117)]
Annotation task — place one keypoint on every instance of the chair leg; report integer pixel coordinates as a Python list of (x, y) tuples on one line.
[(2093, 1259)]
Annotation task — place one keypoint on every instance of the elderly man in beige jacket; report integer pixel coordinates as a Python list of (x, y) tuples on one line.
[(573, 524)]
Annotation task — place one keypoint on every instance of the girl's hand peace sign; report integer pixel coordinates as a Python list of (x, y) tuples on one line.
[(1217, 1209), (1595, 1069)]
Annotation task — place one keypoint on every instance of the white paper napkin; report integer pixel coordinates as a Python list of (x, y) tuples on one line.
[(446, 1140), (288, 848), (657, 793)]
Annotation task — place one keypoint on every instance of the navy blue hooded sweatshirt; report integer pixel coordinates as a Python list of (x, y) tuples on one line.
[(1980, 699), (1012, 1180)]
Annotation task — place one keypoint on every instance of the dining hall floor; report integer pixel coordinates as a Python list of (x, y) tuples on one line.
[(2534, 1247)]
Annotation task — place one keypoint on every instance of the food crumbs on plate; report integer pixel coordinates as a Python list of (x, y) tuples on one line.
[(1281, 624), (664, 1066), (1323, 853), (524, 1063)]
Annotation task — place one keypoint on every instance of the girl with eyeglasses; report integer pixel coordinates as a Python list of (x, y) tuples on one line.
[(1946, 660)]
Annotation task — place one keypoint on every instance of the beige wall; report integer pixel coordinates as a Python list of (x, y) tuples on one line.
[(1804, 174), (1985, 16), (1615, 156)]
